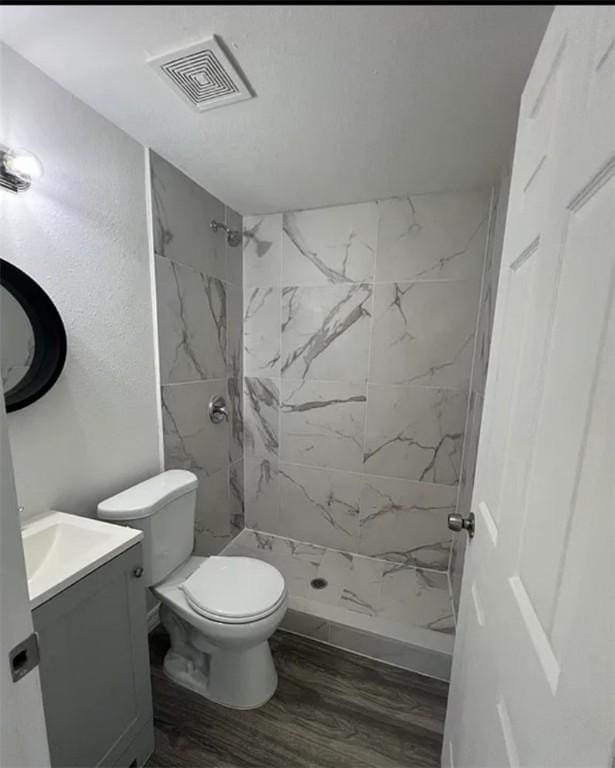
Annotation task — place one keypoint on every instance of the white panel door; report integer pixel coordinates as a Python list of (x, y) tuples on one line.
[(23, 736), (533, 681)]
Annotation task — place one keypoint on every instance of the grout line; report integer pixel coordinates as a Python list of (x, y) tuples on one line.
[(336, 470), (279, 337), (198, 271), (354, 382), (369, 362), (279, 381), (361, 382), (329, 284), (242, 396)]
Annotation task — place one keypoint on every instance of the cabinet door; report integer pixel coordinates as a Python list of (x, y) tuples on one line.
[(94, 665)]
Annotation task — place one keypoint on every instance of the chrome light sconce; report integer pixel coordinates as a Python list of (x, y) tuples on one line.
[(18, 169)]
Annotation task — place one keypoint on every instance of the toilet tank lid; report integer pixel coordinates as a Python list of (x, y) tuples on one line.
[(146, 498)]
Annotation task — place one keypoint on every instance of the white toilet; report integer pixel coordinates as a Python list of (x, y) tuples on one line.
[(219, 611)]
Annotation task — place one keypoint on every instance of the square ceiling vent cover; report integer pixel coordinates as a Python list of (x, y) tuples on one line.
[(202, 75)]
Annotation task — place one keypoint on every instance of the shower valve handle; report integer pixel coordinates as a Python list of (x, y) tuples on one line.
[(218, 412)]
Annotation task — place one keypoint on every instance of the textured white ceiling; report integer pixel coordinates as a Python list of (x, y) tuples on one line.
[(353, 102)]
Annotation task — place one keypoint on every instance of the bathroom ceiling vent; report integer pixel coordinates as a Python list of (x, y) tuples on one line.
[(202, 75)]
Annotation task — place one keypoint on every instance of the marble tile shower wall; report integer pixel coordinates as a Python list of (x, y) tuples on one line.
[(478, 381), (199, 307), (359, 325)]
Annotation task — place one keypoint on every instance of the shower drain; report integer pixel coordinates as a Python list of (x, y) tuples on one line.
[(319, 583)]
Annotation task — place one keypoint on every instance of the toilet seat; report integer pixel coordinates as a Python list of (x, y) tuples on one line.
[(234, 590)]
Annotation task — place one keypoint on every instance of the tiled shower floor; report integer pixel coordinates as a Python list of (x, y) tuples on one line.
[(385, 610)]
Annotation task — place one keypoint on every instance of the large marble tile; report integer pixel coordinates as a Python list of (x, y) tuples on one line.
[(191, 440), (325, 331), (262, 250), (234, 402), (335, 567), (406, 522), (234, 253), (320, 506), (212, 520), (432, 237), (415, 433), (422, 595), (262, 494), (234, 331), (241, 545), (322, 423), (261, 545), (236, 501), (297, 561), (330, 245), (261, 331), (261, 417), (191, 323), (424, 333), (182, 211), (362, 589)]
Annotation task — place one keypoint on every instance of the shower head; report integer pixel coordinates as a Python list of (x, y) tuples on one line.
[(233, 236)]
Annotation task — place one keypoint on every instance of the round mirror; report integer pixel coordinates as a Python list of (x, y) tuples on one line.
[(32, 338)]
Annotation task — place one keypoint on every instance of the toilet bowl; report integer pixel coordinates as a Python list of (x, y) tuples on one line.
[(219, 643), (219, 611)]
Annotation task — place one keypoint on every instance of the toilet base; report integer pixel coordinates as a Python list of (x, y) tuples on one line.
[(243, 678)]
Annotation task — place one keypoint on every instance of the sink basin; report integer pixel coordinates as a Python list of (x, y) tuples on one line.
[(60, 549)]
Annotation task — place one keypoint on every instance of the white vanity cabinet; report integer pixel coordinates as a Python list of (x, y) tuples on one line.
[(94, 668)]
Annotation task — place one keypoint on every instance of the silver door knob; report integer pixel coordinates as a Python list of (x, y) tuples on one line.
[(457, 522), (218, 411)]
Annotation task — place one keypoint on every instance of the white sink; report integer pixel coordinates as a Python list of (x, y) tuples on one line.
[(60, 549)]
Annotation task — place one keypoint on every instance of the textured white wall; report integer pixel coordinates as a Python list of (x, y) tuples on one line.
[(81, 233)]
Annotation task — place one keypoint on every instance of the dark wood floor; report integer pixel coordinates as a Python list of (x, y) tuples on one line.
[(332, 709)]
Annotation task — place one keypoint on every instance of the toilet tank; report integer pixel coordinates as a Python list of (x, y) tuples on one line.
[(163, 507)]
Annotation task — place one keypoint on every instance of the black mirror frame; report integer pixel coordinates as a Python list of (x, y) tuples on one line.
[(49, 337)]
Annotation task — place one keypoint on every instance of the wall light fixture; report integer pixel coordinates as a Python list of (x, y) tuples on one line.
[(18, 169)]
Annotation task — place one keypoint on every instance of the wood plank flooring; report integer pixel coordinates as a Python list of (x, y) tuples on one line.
[(332, 709)]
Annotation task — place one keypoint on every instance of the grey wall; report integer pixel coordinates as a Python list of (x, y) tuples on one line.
[(81, 233), (478, 381), (359, 326), (199, 315)]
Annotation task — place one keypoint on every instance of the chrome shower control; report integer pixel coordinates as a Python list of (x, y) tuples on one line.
[(218, 411)]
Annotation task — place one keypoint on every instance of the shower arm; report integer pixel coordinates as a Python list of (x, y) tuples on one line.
[(233, 236)]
